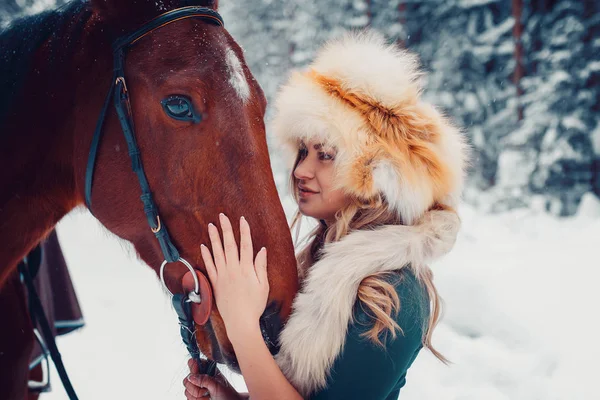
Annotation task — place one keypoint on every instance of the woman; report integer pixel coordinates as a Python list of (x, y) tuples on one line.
[(381, 171)]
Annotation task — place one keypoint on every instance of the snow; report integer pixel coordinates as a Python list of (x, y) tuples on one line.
[(495, 34), (474, 3), (573, 122), (515, 167), (519, 289), (595, 135)]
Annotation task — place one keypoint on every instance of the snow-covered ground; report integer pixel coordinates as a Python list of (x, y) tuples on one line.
[(520, 321)]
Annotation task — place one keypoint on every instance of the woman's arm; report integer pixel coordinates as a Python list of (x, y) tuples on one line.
[(241, 289), (261, 373)]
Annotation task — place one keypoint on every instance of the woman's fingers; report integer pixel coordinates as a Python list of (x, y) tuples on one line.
[(195, 389), (200, 386), (260, 266), (232, 256), (193, 366), (246, 251), (217, 247), (190, 396), (211, 270)]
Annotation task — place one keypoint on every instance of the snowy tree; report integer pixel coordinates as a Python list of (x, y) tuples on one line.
[(263, 36), (467, 49), (558, 102)]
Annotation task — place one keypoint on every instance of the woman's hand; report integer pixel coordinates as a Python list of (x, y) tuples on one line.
[(239, 283), (241, 291), (199, 386)]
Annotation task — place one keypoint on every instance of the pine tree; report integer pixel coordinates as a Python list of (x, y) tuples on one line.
[(467, 48), (558, 117)]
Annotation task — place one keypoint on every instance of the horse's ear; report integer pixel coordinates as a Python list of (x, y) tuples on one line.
[(143, 9)]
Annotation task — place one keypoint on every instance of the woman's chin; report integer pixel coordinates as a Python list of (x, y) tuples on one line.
[(306, 209)]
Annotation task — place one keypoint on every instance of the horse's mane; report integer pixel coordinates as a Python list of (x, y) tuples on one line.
[(20, 40)]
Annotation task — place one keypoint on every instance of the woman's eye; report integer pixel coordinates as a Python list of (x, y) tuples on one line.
[(325, 156), (303, 153), (180, 108)]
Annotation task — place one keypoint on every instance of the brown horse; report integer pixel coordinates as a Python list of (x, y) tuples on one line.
[(55, 72)]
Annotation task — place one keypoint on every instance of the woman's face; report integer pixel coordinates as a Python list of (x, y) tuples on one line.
[(314, 178)]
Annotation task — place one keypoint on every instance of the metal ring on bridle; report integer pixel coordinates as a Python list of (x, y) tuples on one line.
[(192, 270)]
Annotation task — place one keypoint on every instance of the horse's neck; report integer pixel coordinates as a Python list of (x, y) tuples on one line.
[(42, 154), (36, 188)]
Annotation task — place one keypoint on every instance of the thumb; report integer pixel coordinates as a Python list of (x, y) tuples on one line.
[(193, 366)]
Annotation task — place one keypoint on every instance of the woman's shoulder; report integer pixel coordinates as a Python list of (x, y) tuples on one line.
[(413, 315)]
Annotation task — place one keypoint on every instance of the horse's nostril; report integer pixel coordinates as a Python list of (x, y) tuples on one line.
[(270, 326)]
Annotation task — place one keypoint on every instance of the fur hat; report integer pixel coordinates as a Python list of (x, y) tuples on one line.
[(363, 96)]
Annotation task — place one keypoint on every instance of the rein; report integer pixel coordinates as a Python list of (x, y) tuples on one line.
[(28, 269)]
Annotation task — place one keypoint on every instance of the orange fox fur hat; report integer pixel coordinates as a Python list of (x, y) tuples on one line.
[(363, 97)]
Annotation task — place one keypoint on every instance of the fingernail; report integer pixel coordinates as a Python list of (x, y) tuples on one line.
[(243, 219), (211, 224), (263, 249), (202, 245), (221, 214)]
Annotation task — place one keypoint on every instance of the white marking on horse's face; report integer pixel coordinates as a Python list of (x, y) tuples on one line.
[(237, 79)]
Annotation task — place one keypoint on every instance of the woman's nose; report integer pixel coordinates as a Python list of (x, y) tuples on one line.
[(304, 170)]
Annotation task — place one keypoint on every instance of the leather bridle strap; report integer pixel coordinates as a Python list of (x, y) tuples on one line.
[(187, 330), (38, 317), (118, 91)]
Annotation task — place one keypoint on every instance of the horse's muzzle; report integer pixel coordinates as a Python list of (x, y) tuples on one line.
[(270, 327)]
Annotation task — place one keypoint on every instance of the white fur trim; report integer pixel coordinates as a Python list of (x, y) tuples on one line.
[(408, 200), (316, 331), (305, 111), (365, 63)]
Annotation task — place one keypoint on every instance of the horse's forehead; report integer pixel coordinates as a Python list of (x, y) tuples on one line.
[(218, 45), (237, 78)]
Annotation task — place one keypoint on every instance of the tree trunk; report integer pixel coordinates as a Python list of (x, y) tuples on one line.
[(402, 20), (517, 11)]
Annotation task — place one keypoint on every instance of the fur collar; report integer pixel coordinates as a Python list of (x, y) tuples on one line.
[(316, 330)]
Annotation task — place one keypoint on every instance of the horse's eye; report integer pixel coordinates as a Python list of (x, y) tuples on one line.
[(180, 108)]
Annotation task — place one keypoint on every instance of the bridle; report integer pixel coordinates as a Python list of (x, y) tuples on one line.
[(194, 306)]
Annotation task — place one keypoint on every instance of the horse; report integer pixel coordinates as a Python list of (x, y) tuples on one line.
[(187, 133)]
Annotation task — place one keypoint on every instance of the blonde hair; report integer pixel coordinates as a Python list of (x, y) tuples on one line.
[(377, 294)]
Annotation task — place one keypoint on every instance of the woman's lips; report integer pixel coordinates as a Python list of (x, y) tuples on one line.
[(304, 192)]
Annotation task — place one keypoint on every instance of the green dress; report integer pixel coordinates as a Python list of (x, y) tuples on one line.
[(364, 370)]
